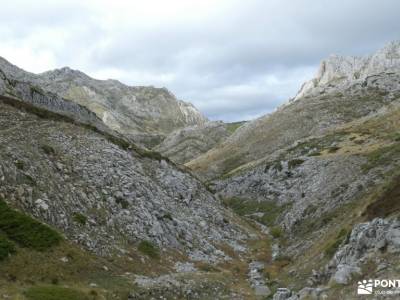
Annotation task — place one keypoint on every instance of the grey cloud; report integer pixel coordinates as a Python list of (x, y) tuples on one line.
[(239, 45)]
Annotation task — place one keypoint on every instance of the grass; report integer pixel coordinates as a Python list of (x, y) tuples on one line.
[(149, 249), (54, 293), (334, 245), (381, 156), (6, 248), (243, 207), (314, 146), (387, 203), (26, 231)]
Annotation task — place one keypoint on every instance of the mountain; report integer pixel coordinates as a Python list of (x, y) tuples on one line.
[(322, 173), (338, 70), (132, 209), (133, 111), (315, 111)]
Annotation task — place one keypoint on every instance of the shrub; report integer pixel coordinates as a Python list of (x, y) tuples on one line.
[(276, 232), (49, 150), (333, 149), (148, 248), (80, 218), (6, 248), (295, 163), (54, 293), (314, 154), (19, 164), (124, 203), (26, 231)]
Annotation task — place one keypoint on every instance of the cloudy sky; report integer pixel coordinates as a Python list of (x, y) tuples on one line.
[(233, 59)]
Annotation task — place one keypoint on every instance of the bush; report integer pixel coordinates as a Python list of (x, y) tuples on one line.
[(124, 203), (80, 218), (26, 231), (333, 149), (6, 248), (148, 248), (276, 232), (49, 150), (295, 163), (54, 293), (20, 164)]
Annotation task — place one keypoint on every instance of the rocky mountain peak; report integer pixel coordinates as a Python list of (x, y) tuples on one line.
[(131, 110), (337, 69)]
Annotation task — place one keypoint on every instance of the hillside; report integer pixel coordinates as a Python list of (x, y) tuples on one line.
[(322, 108), (322, 174), (187, 143), (129, 211), (132, 111)]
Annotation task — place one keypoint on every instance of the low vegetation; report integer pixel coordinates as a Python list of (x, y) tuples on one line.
[(80, 218), (276, 232), (49, 150), (26, 231), (6, 248), (386, 204), (268, 211), (382, 156), (149, 249), (231, 127), (331, 249), (54, 293), (295, 163)]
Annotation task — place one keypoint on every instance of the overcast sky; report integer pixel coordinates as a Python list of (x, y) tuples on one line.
[(233, 59)]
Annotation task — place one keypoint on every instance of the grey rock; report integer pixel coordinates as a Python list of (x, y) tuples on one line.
[(282, 294), (164, 204), (187, 267), (365, 242), (262, 290)]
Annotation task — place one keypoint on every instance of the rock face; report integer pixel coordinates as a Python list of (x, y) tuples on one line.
[(128, 110), (337, 70), (185, 144), (103, 196), (365, 243)]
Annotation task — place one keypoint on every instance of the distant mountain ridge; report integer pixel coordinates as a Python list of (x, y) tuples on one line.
[(129, 110), (333, 98)]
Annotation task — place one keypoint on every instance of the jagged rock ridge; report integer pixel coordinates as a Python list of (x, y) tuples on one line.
[(128, 110), (337, 69)]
